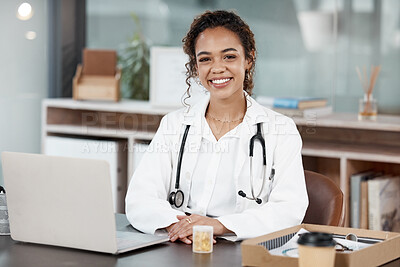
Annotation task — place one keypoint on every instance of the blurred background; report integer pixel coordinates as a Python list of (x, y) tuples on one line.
[(305, 48)]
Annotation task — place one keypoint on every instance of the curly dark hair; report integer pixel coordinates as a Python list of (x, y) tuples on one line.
[(230, 21)]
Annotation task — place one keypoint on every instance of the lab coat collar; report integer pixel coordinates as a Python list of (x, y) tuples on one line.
[(193, 114), (255, 113)]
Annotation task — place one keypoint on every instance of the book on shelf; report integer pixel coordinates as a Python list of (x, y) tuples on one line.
[(292, 102), (384, 203), (305, 113), (364, 203), (355, 196)]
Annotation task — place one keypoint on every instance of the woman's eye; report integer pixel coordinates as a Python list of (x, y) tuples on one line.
[(230, 56), (204, 59)]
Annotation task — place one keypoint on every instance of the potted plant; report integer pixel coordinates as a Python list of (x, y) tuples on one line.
[(133, 59)]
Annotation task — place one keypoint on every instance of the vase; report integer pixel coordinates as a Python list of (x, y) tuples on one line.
[(368, 108)]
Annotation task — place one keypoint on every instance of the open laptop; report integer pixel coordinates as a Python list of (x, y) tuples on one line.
[(65, 202)]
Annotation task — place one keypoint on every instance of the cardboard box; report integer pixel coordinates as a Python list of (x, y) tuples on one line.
[(255, 252), (97, 78)]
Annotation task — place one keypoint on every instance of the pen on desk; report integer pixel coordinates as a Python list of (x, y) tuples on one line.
[(344, 248), (367, 240)]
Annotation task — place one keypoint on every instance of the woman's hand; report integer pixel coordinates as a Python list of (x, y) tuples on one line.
[(183, 230), (186, 240)]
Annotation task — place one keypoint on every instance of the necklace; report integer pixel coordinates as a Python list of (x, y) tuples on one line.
[(223, 121)]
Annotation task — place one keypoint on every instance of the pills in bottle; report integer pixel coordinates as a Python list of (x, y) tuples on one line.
[(202, 239)]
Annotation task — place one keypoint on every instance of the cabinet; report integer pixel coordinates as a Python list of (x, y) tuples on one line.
[(130, 121), (336, 145), (339, 145), (96, 125)]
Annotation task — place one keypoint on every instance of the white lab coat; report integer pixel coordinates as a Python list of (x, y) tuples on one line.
[(147, 206)]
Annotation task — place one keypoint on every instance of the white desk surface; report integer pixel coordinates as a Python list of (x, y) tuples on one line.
[(124, 105)]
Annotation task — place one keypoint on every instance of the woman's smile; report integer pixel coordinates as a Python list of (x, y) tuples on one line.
[(220, 82)]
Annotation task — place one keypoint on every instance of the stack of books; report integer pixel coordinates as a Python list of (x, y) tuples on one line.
[(375, 201), (303, 107)]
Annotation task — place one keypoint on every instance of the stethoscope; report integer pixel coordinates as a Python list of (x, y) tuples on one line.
[(176, 198)]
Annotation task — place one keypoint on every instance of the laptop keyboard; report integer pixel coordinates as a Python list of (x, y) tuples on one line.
[(127, 240)]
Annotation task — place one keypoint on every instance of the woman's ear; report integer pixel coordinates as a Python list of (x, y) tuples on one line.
[(250, 60)]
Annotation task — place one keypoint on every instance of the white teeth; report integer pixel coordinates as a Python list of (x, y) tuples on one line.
[(220, 81)]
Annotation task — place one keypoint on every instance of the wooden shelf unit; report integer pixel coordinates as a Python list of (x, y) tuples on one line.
[(339, 145), (132, 121), (336, 145)]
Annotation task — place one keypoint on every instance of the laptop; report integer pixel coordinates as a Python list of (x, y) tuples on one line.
[(65, 202)]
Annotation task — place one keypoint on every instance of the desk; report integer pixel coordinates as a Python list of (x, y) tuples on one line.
[(226, 253), (17, 254)]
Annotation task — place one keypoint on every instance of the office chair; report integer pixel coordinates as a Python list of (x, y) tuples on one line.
[(326, 201)]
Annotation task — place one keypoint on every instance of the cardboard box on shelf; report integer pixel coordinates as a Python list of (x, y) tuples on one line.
[(97, 78), (255, 251)]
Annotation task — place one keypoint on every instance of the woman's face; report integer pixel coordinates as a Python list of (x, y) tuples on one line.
[(221, 63)]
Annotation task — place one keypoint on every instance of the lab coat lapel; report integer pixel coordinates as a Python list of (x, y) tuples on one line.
[(192, 147), (243, 154), (189, 161)]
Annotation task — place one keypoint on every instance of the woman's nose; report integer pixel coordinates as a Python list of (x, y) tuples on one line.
[(218, 67)]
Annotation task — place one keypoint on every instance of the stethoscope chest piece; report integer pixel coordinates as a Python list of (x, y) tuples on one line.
[(176, 198)]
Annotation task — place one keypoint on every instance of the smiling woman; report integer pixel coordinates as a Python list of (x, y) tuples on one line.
[(222, 66), (235, 27), (211, 191), (221, 63)]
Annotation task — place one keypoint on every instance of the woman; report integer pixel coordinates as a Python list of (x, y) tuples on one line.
[(218, 184)]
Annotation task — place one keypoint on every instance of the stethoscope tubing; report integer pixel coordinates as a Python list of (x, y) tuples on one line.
[(258, 136), (252, 181), (178, 171)]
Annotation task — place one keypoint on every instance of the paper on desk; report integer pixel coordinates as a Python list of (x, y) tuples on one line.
[(290, 249)]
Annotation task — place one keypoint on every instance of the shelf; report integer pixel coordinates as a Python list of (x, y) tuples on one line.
[(357, 152), (96, 131), (350, 121), (124, 105)]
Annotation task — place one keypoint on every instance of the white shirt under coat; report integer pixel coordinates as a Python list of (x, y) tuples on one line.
[(212, 192), (210, 180)]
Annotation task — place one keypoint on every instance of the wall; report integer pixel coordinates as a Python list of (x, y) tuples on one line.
[(23, 76), (358, 32)]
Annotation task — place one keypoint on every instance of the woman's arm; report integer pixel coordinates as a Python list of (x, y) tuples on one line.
[(147, 208)]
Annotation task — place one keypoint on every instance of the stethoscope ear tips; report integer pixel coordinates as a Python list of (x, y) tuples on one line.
[(241, 193)]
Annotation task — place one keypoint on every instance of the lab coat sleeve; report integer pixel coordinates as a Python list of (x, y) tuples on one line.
[(146, 204), (288, 201)]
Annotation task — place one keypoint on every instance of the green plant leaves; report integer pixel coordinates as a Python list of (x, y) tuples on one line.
[(134, 61)]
